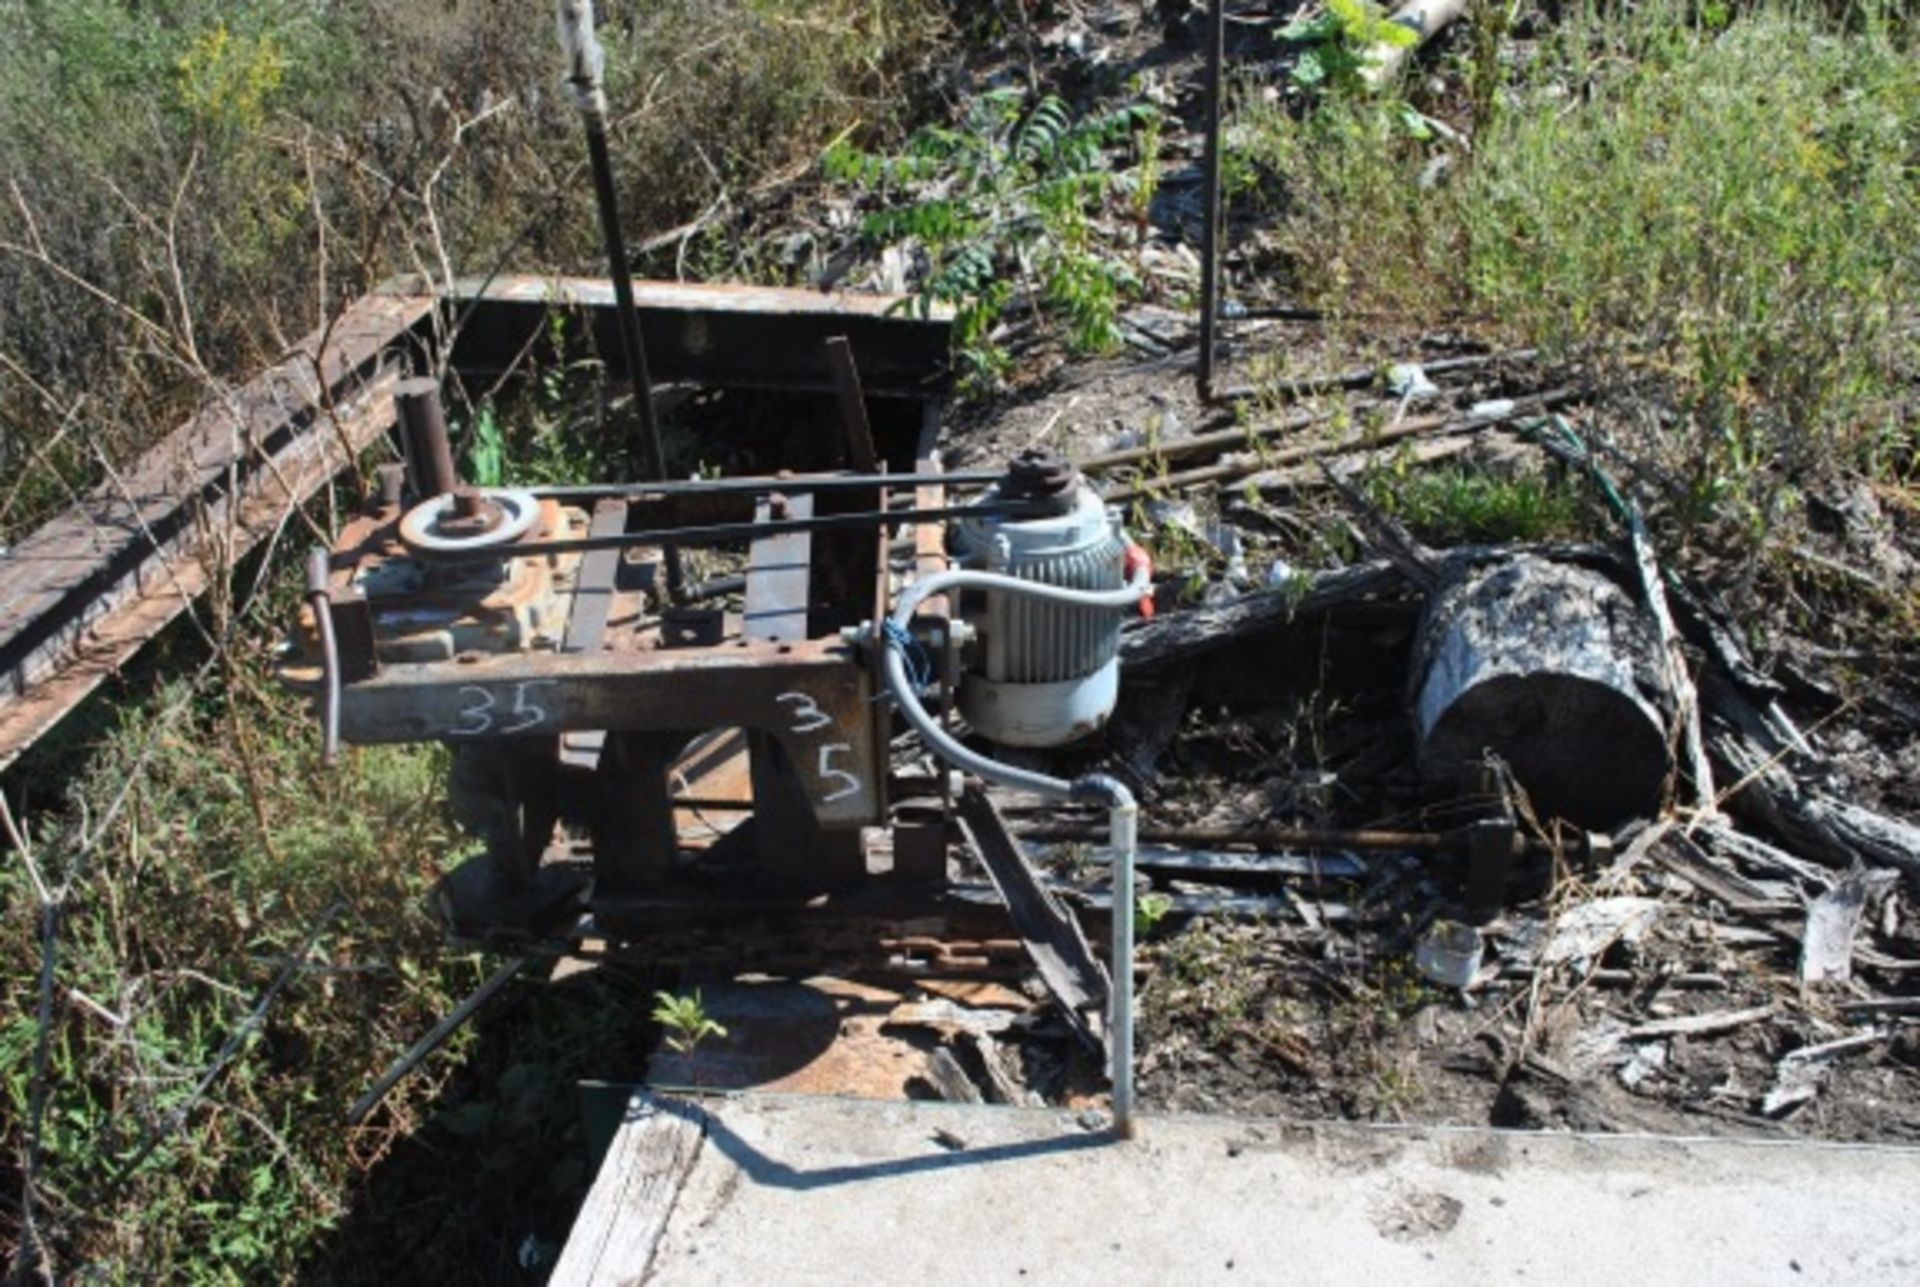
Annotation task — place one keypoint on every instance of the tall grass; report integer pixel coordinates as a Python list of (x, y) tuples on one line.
[(1719, 218), (235, 170)]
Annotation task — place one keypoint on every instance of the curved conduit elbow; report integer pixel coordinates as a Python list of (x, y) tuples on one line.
[(1123, 812)]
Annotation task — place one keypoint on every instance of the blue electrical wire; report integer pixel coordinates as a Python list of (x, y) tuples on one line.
[(912, 652)]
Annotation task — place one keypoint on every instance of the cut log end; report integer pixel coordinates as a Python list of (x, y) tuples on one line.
[(1557, 671), (1580, 749)]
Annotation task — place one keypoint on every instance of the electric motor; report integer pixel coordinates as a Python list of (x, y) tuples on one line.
[(1041, 672)]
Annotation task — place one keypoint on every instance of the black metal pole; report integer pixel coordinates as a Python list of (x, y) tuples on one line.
[(1210, 235), (432, 1040), (632, 349), (585, 62)]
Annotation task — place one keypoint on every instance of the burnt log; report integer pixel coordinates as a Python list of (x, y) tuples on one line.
[(1780, 785), (1180, 638), (1557, 671)]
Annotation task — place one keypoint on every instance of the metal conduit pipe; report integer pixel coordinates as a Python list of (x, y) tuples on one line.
[(319, 570), (1123, 812)]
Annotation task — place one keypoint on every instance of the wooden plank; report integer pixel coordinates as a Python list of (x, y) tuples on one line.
[(626, 1210), (104, 635), (119, 519)]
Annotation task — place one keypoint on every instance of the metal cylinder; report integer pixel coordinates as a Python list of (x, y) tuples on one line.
[(1043, 672), (424, 438)]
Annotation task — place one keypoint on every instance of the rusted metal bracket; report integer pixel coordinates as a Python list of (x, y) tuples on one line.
[(1052, 936), (853, 405), (812, 696)]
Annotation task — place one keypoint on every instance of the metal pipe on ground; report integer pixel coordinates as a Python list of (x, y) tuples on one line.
[(432, 1041), (319, 571), (1362, 377), (1231, 471)]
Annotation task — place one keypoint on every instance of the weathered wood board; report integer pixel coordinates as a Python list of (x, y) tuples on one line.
[(80, 595), (626, 1211)]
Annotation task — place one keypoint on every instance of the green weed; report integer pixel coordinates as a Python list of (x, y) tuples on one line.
[(1718, 220), (1008, 196), (1149, 912), (685, 1021), (1451, 505), (1338, 39), (261, 162)]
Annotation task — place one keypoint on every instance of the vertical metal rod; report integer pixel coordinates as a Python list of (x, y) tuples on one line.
[(423, 437), (319, 573), (1210, 235), (632, 350), (586, 61), (1123, 837), (853, 405)]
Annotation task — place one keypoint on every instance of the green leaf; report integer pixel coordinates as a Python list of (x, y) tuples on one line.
[(1321, 27)]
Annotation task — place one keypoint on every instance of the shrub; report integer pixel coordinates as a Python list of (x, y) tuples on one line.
[(1722, 218)]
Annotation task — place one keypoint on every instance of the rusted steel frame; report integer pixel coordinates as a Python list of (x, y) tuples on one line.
[(813, 696), (853, 405), (738, 336)]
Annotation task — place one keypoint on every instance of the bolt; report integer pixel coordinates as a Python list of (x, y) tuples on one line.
[(470, 513), (391, 479), (467, 501)]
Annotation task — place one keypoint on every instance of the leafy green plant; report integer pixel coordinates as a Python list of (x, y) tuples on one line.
[(1007, 197), (1718, 223), (1450, 504), (685, 1019), (1339, 40), (486, 449), (1149, 912)]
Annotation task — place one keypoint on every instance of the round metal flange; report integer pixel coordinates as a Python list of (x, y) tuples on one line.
[(425, 526)]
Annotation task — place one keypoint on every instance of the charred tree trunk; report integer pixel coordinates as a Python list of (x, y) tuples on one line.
[(1777, 783), (1557, 671)]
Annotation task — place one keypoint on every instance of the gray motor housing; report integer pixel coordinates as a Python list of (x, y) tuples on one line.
[(1041, 673)]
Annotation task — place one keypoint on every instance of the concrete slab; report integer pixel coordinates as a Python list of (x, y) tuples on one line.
[(809, 1190)]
